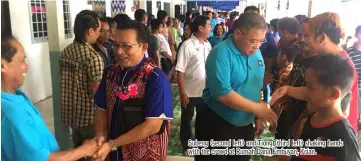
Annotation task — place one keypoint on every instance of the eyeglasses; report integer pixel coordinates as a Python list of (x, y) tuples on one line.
[(102, 30), (125, 46), (253, 43)]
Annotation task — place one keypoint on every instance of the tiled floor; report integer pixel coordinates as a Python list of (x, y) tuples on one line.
[(46, 109)]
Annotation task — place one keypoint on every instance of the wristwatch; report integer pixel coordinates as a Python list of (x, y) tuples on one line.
[(112, 145)]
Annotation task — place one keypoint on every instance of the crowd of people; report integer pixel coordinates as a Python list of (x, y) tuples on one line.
[(116, 76)]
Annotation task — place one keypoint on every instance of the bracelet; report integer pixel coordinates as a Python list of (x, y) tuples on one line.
[(112, 145)]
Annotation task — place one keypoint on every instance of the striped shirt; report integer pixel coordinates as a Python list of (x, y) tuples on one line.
[(355, 55)]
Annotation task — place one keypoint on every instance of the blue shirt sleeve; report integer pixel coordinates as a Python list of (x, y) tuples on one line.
[(27, 143), (218, 72), (100, 95), (158, 96)]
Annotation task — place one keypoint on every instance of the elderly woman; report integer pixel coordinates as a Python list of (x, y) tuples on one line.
[(218, 34), (134, 102), (24, 135)]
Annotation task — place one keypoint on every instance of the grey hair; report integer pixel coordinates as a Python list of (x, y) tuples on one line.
[(250, 20)]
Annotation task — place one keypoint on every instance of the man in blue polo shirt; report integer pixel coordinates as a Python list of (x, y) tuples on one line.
[(24, 134), (235, 71)]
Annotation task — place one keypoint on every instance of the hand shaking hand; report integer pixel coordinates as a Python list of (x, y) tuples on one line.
[(102, 153), (95, 148), (89, 147), (264, 113)]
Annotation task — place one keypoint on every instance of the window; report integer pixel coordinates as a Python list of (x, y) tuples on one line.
[(67, 19), (38, 21)]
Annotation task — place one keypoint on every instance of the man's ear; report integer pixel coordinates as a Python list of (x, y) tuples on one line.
[(4, 65), (90, 31), (200, 28), (335, 94), (323, 38), (144, 47)]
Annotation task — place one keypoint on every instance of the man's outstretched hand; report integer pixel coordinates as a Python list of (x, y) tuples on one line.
[(264, 113), (278, 93)]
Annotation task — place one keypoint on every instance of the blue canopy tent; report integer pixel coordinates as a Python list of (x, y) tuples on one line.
[(224, 8), (226, 5)]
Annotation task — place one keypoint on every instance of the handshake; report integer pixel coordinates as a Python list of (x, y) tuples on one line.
[(95, 148)]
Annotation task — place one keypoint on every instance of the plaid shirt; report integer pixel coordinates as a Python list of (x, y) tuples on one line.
[(80, 65)]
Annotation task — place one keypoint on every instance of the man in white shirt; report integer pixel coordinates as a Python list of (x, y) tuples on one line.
[(191, 74)]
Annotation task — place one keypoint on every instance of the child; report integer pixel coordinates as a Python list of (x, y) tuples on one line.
[(328, 81), (285, 58)]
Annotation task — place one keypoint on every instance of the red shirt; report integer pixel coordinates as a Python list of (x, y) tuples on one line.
[(353, 116)]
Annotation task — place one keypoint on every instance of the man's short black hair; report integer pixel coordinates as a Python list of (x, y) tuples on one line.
[(358, 29), (141, 29), (198, 21), (155, 24), (7, 50), (121, 18), (139, 14), (182, 18), (251, 9), (161, 14), (289, 50), (333, 71), (305, 21), (274, 24), (250, 20), (188, 14), (289, 24), (84, 21), (111, 21), (196, 14), (103, 20), (301, 18), (207, 12)]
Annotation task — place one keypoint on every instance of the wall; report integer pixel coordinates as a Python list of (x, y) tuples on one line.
[(349, 16), (37, 84), (75, 8)]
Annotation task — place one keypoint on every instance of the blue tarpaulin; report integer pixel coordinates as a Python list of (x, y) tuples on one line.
[(225, 5), (215, 1), (224, 8)]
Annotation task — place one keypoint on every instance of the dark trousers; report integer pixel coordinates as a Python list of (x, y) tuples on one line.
[(210, 126), (166, 65), (186, 120), (79, 135)]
